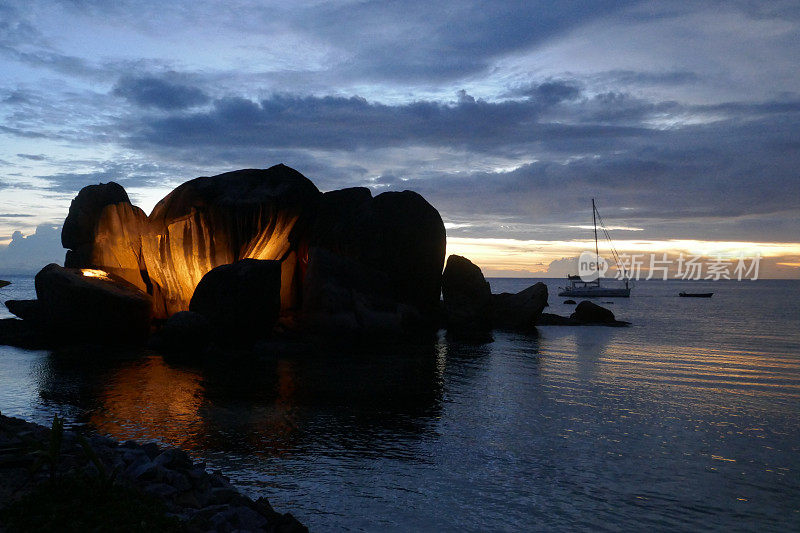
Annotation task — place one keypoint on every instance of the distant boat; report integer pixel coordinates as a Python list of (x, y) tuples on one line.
[(695, 294), (3, 283), (592, 289)]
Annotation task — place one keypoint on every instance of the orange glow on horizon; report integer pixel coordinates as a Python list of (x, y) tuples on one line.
[(517, 257)]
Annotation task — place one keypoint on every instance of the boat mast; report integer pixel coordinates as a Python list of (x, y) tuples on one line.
[(596, 251)]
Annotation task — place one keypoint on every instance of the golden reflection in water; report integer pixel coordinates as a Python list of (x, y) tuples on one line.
[(150, 400)]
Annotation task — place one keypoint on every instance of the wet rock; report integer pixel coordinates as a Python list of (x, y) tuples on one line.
[(569, 302), (241, 300), (22, 333), (592, 314), (184, 332), (75, 307), (467, 299), (25, 309), (519, 311), (549, 319)]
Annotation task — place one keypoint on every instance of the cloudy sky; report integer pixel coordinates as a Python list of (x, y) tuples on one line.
[(681, 118)]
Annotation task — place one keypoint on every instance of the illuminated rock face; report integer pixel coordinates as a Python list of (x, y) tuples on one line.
[(202, 224), (273, 214), (213, 221)]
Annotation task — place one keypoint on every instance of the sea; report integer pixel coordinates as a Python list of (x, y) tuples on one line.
[(688, 419)]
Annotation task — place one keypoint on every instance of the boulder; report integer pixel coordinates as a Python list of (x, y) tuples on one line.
[(213, 221), (401, 234), (334, 227), (204, 223), (588, 312), (467, 297), (84, 213), (82, 305), (185, 332), (569, 302), (519, 311), (378, 264), (549, 319), (25, 309), (346, 300), (241, 300), (278, 215), (22, 333)]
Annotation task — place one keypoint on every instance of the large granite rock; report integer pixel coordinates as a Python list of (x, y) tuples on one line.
[(242, 300), (274, 214), (519, 311), (104, 231), (349, 301), (467, 298), (213, 221), (335, 226), (74, 306), (185, 332), (202, 224), (401, 234), (588, 312), (397, 238), (84, 213)]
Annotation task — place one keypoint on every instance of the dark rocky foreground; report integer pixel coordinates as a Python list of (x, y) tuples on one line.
[(35, 460)]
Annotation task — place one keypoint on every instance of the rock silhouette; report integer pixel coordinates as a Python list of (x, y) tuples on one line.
[(520, 311), (375, 262), (74, 305), (242, 299), (467, 298)]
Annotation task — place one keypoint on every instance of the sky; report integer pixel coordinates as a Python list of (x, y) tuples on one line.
[(682, 119)]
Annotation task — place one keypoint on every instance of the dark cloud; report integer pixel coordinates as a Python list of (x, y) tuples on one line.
[(14, 215), (420, 40), (341, 123), (662, 79), (159, 93), (33, 157)]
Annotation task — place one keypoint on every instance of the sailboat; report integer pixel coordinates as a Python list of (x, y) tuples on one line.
[(592, 289)]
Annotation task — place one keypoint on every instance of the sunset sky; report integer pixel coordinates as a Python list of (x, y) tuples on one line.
[(681, 118)]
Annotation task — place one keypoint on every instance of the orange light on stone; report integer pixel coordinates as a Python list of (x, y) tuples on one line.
[(95, 273)]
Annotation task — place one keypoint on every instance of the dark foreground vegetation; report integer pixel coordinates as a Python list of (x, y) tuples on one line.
[(59, 480)]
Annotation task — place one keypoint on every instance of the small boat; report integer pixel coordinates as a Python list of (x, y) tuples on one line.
[(578, 287), (695, 294), (3, 283)]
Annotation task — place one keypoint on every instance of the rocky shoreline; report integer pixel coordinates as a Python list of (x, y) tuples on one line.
[(33, 456)]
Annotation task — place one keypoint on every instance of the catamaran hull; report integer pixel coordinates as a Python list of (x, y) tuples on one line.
[(596, 292)]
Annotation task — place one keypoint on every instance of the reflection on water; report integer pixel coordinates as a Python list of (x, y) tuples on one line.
[(269, 406), (686, 420), (149, 400)]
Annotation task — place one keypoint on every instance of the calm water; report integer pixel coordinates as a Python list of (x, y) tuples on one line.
[(688, 419)]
